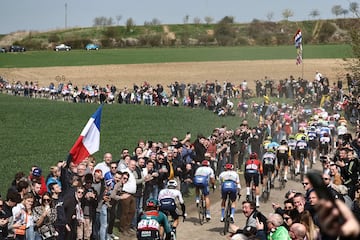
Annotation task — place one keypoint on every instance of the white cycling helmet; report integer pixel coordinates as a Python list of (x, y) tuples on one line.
[(171, 184)]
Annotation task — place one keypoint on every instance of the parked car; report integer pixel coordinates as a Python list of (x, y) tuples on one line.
[(62, 47), (16, 48), (92, 46), (3, 50)]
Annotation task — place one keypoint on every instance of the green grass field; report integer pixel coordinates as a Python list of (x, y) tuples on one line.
[(163, 55), (42, 132)]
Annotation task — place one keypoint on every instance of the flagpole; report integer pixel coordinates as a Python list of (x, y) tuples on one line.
[(302, 67)]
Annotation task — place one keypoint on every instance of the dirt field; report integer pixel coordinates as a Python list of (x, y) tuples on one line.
[(126, 75)]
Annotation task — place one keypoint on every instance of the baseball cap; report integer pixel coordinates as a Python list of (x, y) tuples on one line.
[(36, 172)]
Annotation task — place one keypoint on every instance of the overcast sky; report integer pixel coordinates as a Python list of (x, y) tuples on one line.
[(44, 15)]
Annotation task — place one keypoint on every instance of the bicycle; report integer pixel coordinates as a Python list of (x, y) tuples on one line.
[(227, 215), (202, 208), (171, 222)]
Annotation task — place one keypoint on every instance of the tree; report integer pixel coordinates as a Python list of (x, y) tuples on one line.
[(130, 25), (270, 16), (345, 12), (354, 8), (208, 20), (103, 21), (197, 20), (336, 10), (287, 13), (118, 19), (314, 13)]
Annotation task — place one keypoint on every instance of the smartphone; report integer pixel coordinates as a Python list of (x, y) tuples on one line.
[(322, 191)]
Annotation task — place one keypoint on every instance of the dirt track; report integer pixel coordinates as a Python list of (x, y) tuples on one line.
[(126, 75)]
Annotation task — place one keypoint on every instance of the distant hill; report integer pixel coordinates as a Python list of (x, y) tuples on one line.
[(224, 33)]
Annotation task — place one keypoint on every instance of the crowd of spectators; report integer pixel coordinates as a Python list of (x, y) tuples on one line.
[(84, 201)]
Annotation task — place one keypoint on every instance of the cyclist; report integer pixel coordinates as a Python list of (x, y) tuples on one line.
[(301, 148), (283, 154), (153, 223), (204, 175), (325, 143), (230, 185), (269, 160), (167, 198), (312, 142), (253, 169)]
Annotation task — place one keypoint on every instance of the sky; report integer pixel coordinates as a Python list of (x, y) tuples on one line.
[(45, 15)]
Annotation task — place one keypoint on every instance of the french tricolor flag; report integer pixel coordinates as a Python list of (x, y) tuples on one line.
[(89, 141)]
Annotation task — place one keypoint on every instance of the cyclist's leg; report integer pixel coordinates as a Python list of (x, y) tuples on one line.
[(297, 162), (197, 192), (257, 189), (232, 196), (247, 182), (223, 201), (207, 201), (305, 161), (286, 167)]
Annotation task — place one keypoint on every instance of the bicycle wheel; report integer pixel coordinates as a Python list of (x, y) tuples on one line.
[(227, 217), (201, 209)]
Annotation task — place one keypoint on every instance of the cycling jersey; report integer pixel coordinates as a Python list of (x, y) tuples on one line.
[(301, 148), (167, 199), (229, 184), (202, 177), (269, 158), (283, 153), (149, 225), (253, 168)]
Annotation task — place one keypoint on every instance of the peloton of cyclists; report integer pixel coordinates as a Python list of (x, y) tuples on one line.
[(230, 186)]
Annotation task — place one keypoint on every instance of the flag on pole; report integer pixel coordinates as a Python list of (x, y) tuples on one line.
[(89, 141), (298, 46)]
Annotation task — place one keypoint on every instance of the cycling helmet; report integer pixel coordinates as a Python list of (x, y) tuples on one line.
[(151, 202), (229, 166), (171, 184), (253, 155), (303, 138), (268, 138), (291, 137), (312, 128), (205, 163), (301, 130), (283, 142)]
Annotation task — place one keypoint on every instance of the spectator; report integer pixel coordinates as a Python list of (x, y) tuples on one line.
[(45, 217), (22, 218)]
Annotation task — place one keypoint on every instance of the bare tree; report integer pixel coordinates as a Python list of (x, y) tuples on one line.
[(118, 19), (103, 21), (130, 24), (197, 20), (314, 13), (336, 10), (354, 8), (287, 13), (208, 20), (270, 16)]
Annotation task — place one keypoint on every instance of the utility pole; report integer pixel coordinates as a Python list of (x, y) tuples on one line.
[(65, 15)]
